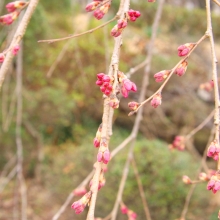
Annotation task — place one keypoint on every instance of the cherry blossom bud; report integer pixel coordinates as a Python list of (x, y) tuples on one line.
[(213, 150), (181, 69), (133, 105), (127, 86), (15, 49), (124, 209), (118, 28), (103, 156), (12, 6), (203, 177), (9, 18), (80, 191), (156, 101), (151, 0), (208, 86), (114, 103), (100, 12), (2, 57), (97, 139), (92, 6), (132, 215), (80, 205), (160, 76), (178, 143), (183, 50), (133, 15), (100, 75), (186, 180)]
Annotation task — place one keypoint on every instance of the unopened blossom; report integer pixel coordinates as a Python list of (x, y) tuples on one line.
[(103, 155), (214, 183), (114, 102), (151, 0), (203, 176), (160, 76), (2, 57), (80, 191), (213, 150), (12, 6), (118, 28), (80, 205), (9, 18), (127, 86), (100, 12), (133, 105), (132, 215), (181, 69), (15, 49), (184, 50), (208, 86), (156, 100), (133, 15), (97, 139), (105, 83), (186, 180), (124, 209), (178, 143), (92, 6)]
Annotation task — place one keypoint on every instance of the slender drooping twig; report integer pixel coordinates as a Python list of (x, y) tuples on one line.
[(77, 35), (171, 73), (141, 189), (216, 2), (209, 33), (17, 38), (139, 115)]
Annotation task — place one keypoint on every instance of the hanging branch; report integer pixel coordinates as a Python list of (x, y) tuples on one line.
[(19, 34), (139, 115)]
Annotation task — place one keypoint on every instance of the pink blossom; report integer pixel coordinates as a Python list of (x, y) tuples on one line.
[(105, 83), (118, 28), (127, 86), (160, 76), (80, 191), (100, 12), (213, 150), (15, 49), (9, 18), (203, 176), (178, 143), (183, 50), (80, 205), (124, 209), (97, 139), (12, 6), (92, 6), (181, 69), (208, 86), (132, 215), (214, 183), (114, 103), (151, 0), (2, 57), (133, 105), (103, 156), (156, 101), (133, 15)]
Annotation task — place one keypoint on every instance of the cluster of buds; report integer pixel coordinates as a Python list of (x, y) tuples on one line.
[(14, 51), (156, 100), (214, 183), (125, 84), (133, 15), (160, 76), (99, 8), (213, 150), (81, 191), (80, 205), (181, 69), (178, 143), (131, 214), (105, 83), (103, 154), (14, 9), (97, 139), (208, 86), (184, 50), (101, 181), (186, 179), (119, 27)]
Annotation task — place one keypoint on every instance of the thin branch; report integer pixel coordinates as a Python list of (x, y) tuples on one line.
[(167, 79), (17, 38), (214, 72), (216, 2), (141, 189), (77, 35), (139, 115)]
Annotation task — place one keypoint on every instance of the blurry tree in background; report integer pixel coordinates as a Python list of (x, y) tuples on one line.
[(52, 109)]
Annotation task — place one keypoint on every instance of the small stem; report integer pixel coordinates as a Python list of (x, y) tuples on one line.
[(216, 2), (77, 35)]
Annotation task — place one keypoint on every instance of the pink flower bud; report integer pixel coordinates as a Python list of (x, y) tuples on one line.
[(151, 0), (114, 103), (2, 57), (103, 156), (133, 15), (80, 191), (9, 18), (181, 69), (156, 101), (208, 86), (99, 82), (186, 180), (118, 28), (132, 215), (15, 49), (97, 139), (203, 177), (214, 183), (133, 105), (100, 75), (160, 76), (100, 12), (124, 209), (213, 150), (12, 6), (183, 50), (92, 6), (127, 86)]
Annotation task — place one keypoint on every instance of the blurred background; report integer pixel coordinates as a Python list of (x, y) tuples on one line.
[(62, 109)]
